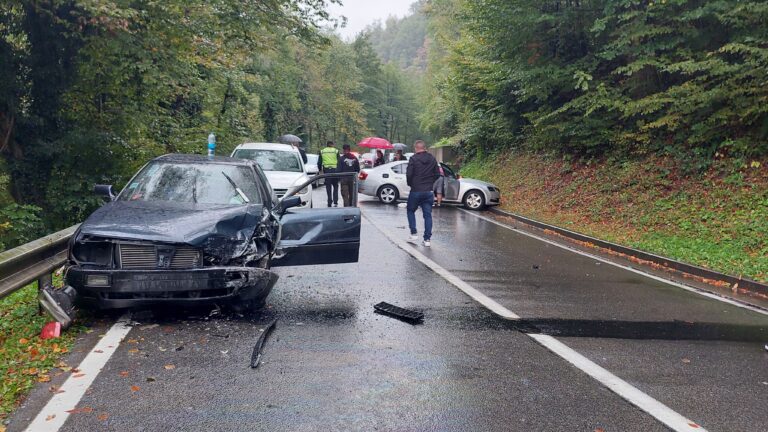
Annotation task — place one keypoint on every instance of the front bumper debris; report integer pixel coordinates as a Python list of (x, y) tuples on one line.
[(111, 289)]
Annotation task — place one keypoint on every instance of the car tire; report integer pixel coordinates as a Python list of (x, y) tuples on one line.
[(388, 194), (474, 200)]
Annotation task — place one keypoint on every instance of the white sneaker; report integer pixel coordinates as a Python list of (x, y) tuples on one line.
[(413, 238), (427, 243)]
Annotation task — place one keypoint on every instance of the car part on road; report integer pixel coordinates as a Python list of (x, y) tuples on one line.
[(256, 355), (60, 303), (51, 330), (400, 313)]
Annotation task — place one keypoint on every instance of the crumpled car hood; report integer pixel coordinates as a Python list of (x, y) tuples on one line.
[(169, 222)]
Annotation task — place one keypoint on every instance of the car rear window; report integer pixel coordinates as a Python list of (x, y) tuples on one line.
[(193, 183)]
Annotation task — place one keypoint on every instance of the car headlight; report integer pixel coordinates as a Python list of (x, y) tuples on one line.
[(491, 189)]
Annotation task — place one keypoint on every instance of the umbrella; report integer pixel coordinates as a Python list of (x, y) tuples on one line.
[(375, 143), (399, 146), (290, 139)]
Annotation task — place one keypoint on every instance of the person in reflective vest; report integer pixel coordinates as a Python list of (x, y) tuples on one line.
[(327, 164)]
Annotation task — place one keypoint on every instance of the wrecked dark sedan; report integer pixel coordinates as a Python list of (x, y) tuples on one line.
[(190, 229)]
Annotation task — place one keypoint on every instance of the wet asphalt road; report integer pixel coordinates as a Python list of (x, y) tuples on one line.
[(331, 363)]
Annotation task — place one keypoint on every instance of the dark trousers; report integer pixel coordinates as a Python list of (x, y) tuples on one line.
[(331, 187), (346, 191), (423, 200)]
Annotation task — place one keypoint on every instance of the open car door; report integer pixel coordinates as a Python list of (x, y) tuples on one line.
[(319, 235)]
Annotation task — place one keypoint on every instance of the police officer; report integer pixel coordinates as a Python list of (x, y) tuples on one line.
[(327, 164)]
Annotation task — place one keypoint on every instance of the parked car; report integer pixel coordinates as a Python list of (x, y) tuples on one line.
[(187, 229), (388, 183), (282, 164)]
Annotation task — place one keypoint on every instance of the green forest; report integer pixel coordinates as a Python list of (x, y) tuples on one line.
[(674, 92)]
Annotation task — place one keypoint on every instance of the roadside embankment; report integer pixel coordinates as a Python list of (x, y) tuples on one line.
[(715, 218)]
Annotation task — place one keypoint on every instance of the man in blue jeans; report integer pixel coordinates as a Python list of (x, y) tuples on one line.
[(422, 172)]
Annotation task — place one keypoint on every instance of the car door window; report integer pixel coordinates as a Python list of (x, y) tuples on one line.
[(399, 169), (447, 171)]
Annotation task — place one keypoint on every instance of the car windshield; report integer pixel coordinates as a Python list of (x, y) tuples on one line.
[(193, 183), (272, 160)]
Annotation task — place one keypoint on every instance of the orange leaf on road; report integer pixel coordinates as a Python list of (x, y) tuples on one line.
[(135, 388)]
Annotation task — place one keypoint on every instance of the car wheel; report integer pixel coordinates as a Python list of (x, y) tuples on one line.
[(474, 200), (388, 194)]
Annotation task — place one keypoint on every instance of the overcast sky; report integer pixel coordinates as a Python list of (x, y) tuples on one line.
[(360, 13)]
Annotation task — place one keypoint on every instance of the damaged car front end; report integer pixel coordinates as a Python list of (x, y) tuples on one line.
[(185, 230)]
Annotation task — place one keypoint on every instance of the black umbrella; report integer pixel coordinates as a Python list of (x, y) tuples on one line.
[(399, 146), (290, 139)]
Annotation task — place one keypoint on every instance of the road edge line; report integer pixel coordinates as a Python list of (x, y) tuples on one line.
[(623, 389), (72, 391), (688, 288)]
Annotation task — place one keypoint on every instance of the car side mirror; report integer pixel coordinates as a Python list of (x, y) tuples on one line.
[(104, 191), (286, 203)]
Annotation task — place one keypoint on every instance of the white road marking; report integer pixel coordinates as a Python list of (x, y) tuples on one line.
[(54, 414), (622, 266), (626, 391)]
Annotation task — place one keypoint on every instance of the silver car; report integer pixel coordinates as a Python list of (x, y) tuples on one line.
[(387, 182)]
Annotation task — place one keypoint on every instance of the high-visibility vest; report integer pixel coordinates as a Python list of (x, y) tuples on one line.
[(330, 157)]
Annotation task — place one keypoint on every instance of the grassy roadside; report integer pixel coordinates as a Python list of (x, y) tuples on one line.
[(25, 359), (716, 219)]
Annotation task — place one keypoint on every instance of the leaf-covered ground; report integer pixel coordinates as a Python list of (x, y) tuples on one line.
[(717, 218), (25, 359)]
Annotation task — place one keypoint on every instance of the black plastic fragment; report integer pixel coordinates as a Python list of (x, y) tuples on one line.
[(398, 312), (256, 356)]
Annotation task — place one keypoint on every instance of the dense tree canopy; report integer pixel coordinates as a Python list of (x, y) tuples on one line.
[(592, 77)]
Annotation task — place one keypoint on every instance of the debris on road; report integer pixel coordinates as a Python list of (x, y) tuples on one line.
[(400, 313), (51, 330), (256, 355), (60, 303)]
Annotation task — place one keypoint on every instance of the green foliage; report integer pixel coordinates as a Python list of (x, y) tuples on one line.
[(601, 76), (19, 224)]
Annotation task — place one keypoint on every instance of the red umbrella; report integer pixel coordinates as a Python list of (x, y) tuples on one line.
[(375, 143)]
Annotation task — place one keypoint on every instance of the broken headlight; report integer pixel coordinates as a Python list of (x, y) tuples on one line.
[(98, 253)]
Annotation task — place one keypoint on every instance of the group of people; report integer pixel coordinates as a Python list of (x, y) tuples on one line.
[(331, 161), (423, 177)]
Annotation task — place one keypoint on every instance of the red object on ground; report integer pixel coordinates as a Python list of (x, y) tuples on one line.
[(51, 330), (375, 143)]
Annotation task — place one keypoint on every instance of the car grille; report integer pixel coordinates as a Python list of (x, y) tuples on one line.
[(145, 257), (280, 192)]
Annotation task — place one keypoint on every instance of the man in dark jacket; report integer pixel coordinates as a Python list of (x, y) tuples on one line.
[(347, 163), (422, 172)]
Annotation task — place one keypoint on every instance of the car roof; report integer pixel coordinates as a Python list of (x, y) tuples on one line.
[(267, 146), (203, 159)]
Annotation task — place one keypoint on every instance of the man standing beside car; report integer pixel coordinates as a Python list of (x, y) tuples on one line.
[(348, 163), (421, 174), (327, 164)]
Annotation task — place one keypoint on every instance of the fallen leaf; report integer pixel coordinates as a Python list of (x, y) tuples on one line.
[(685, 360), (98, 351), (135, 388), (132, 341), (103, 416), (151, 379), (78, 375), (599, 430), (133, 350), (43, 378), (170, 366), (123, 374), (50, 417), (32, 371), (23, 341), (694, 425)]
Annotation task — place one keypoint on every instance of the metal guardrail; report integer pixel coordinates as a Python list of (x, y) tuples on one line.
[(749, 285), (34, 261)]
